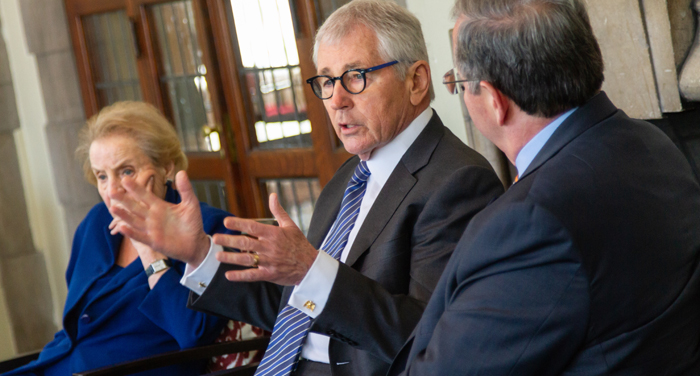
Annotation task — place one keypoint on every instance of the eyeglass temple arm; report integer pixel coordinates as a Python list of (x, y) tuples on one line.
[(380, 66)]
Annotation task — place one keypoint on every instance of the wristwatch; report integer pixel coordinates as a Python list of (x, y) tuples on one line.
[(158, 266)]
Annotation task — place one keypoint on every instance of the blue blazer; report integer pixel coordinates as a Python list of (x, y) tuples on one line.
[(588, 265), (125, 320)]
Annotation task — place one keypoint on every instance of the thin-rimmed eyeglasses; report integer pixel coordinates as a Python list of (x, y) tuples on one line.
[(453, 82)]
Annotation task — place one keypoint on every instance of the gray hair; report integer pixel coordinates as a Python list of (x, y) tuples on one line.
[(399, 32), (542, 54)]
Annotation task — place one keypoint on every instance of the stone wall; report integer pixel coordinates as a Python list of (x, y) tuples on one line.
[(22, 269), (48, 39)]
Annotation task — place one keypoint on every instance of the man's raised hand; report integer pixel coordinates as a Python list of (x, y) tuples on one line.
[(172, 229), (281, 253)]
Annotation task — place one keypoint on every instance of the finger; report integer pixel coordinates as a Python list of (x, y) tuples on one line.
[(182, 182), (247, 226), (113, 226), (278, 212), (138, 193), (238, 258), (133, 205), (128, 218), (131, 233), (114, 223), (247, 275), (241, 242)]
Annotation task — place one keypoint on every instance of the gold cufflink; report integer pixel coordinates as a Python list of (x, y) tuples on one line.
[(202, 285), (310, 305)]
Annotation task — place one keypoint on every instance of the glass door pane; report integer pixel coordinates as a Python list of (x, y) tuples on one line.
[(269, 66), (213, 192), (297, 197), (183, 76), (110, 44)]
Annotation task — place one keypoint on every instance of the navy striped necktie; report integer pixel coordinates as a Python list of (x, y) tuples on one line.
[(292, 325)]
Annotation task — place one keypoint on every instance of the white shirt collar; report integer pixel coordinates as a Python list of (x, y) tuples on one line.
[(383, 160)]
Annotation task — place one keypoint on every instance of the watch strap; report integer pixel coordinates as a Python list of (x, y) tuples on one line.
[(158, 266)]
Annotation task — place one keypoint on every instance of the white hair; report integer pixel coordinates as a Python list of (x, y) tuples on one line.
[(398, 32)]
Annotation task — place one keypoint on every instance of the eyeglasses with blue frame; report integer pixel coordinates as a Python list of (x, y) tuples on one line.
[(353, 81)]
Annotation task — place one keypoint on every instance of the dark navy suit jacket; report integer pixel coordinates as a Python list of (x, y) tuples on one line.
[(125, 320), (586, 266)]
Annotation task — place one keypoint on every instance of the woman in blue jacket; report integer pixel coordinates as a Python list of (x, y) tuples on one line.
[(124, 299)]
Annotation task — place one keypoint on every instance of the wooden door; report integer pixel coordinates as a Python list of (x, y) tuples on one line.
[(284, 141), (159, 52), (230, 75)]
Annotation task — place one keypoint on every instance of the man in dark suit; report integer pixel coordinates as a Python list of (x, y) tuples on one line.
[(420, 187), (588, 264)]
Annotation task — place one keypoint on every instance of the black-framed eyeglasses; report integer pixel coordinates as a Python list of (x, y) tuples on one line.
[(454, 82), (353, 81)]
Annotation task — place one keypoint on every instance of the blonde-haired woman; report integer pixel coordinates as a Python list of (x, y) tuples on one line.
[(124, 299)]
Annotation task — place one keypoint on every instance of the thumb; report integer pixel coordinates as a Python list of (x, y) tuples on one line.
[(278, 212), (183, 185)]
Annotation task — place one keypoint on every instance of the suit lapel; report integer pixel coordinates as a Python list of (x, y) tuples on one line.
[(593, 112), (400, 182)]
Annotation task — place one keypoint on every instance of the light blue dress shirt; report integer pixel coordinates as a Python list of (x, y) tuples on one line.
[(533, 147)]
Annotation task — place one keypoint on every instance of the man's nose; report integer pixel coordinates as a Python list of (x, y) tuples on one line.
[(341, 99)]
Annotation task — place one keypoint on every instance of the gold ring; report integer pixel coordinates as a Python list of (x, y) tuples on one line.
[(256, 260)]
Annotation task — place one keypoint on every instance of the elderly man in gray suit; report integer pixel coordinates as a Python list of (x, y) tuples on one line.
[(344, 300)]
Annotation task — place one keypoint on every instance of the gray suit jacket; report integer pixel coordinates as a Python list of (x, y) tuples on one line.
[(396, 260)]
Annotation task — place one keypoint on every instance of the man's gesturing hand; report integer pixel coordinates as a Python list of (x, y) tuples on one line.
[(282, 254), (174, 230)]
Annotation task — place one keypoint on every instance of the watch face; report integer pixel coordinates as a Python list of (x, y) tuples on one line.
[(159, 265)]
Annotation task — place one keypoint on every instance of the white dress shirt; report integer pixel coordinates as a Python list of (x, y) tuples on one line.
[(316, 285)]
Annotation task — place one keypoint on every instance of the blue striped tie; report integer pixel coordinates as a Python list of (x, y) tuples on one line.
[(292, 325)]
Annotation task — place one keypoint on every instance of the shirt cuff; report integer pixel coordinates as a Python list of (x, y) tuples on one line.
[(198, 279), (312, 293)]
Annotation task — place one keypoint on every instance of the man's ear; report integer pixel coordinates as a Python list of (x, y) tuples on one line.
[(418, 81), (499, 102)]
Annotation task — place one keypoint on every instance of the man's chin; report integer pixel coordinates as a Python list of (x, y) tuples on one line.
[(350, 148), (363, 153)]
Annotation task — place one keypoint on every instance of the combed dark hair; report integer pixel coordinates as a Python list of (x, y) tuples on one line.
[(542, 54)]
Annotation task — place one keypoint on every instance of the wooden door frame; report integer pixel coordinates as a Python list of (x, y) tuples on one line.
[(323, 159), (204, 166), (201, 165)]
